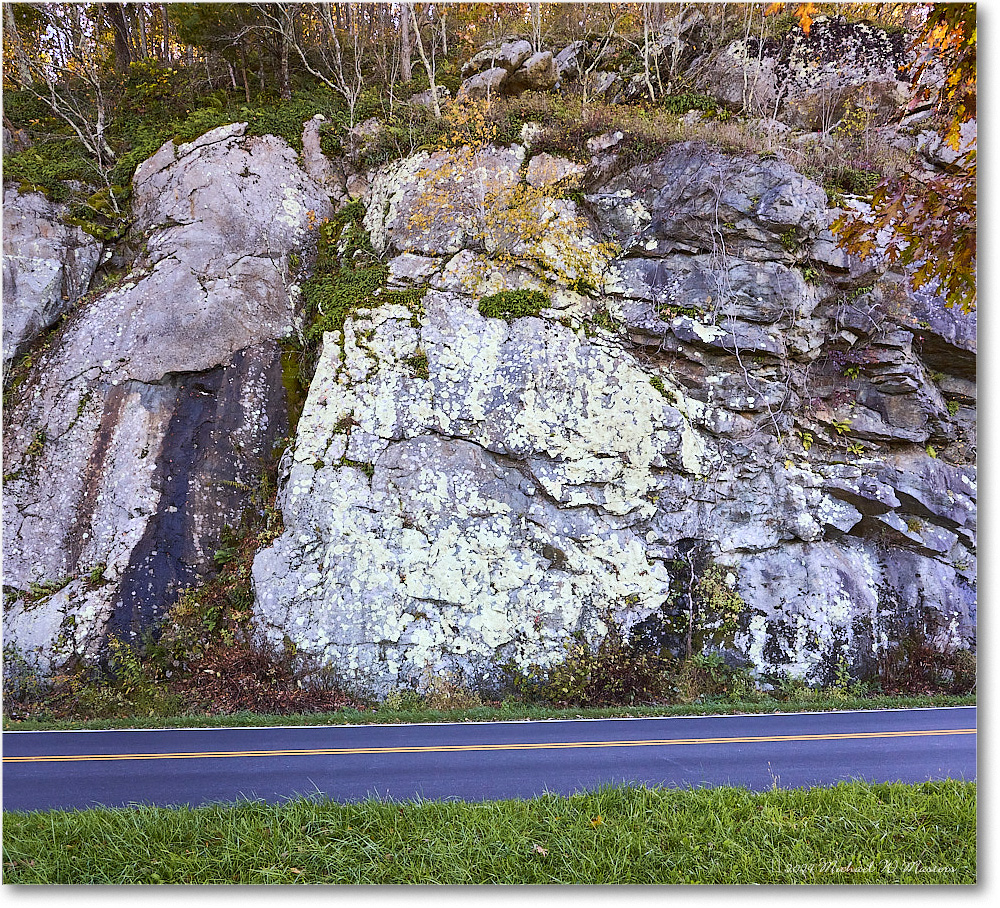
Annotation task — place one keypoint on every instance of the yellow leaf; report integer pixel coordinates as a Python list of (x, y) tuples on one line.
[(597, 821)]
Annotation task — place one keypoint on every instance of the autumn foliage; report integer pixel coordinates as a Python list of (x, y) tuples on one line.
[(925, 221)]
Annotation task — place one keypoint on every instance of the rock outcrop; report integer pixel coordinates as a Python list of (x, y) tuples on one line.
[(808, 79), (719, 433), (733, 395), (47, 266), (154, 409)]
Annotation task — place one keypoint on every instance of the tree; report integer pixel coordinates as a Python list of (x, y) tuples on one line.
[(428, 68), (66, 69), (115, 14), (339, 70), (405, 44), (929, 218)]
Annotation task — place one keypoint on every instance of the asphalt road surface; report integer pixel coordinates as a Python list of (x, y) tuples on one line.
[(482, 761)]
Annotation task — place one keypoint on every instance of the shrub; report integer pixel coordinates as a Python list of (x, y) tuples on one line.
[(448, 691), (613, 673)]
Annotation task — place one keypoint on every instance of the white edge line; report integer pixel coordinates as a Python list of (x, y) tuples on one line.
[(818, 712)]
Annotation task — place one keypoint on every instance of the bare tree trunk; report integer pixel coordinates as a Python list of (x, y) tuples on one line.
[(286, 40), (166, 33), (10, 26), (423, 58), (140, 25), (645, 51), (405, 43), (243, 70), (119, 26)]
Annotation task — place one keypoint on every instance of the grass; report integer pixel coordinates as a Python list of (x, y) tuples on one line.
[(852, 833), (506, 711)]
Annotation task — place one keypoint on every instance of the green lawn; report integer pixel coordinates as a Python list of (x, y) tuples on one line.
[(852, 833)]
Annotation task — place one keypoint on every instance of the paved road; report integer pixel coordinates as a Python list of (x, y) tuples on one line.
[(483, 761)]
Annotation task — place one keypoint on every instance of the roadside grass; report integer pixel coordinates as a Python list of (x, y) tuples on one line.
[(855, 832), (508, 710)]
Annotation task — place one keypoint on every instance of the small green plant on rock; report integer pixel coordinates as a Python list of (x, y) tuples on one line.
[(658, 385), (512, 304), (604, 319), (418, 364)]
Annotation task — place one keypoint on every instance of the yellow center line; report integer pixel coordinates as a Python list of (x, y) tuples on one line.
[(462, 748)]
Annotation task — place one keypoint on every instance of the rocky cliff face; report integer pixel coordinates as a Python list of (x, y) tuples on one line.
[(155, 407), (719, 432), (710, 412)]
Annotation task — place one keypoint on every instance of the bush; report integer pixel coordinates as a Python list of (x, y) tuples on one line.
[(614, 673)]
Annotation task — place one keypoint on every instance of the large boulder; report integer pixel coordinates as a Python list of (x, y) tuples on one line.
[(47, 266), (473, 513), (508, 55), (809, 80), (486, 84), (537, 73), (133, 442)]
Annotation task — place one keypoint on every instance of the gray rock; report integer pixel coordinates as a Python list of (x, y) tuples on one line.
[(317, 165), (604, 142), (816, 606), (809, 79), (486, 84), (428, 205), (600, 83), (508, 56), (426, 98), (15, 141), (131, 443), (941, 155), (547, 170), (496, 520), (763, 208), (47, 266), (568, 60), (537, 73), (407, 270)]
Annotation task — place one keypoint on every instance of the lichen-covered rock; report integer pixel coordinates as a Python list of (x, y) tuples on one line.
[(438, 204), (480, 514), (155, 406), (718, 396), (810, 79), (47, 266), (547, 170)]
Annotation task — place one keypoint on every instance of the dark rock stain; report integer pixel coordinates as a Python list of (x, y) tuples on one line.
[(213, 453)]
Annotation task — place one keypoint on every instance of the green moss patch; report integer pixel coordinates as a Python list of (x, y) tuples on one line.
[(511, 304)]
